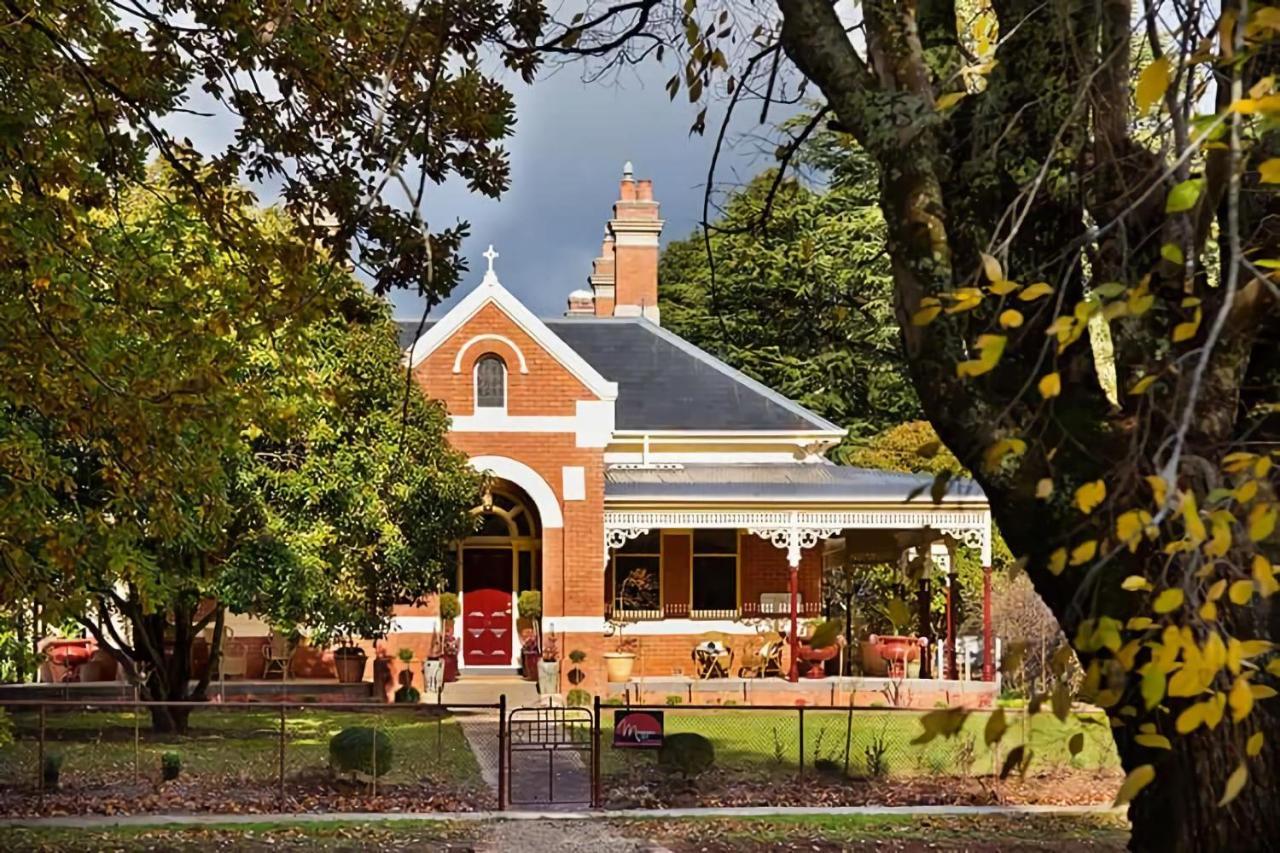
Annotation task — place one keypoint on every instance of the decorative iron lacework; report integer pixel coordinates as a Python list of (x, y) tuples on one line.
[(795, 530)]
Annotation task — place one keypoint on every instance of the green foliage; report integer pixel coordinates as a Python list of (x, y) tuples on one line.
[(529, 605), (352, 751), (578, 698), (170, 765), (405, 654), (6, 729), (51, 769), (674, 699), (408, 695), (577, 656), (687, 753), (450, 607), (826, 633), (803, 302), (912, 447)]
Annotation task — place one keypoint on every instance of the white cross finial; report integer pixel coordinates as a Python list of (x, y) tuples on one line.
[(490, 254)]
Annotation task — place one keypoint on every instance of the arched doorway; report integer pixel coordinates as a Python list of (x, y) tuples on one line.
[(495, 564)]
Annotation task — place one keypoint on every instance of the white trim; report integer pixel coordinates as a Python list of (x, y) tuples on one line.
[(457, 361), (491, 292), (644, 240), (573, 482), (542, 495), (708, 457), (676, 436), (591, 426), (416, 624), (655, 628), (774, 500)]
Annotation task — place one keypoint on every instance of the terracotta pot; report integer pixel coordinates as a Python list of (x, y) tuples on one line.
[(816, 658), (450, 668), (65, 657), (384, 678), (350, 661), (897, 652), (618, 665), (529, 664)]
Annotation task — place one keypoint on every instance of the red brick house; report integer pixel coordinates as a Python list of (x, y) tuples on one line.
[(618, 447)]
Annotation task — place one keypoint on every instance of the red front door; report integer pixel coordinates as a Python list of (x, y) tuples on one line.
[(486, 606)]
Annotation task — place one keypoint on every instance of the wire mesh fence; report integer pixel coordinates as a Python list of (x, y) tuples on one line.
[(759, 752), (116, 757)]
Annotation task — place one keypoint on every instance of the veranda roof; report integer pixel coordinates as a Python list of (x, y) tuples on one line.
[(780, 482)]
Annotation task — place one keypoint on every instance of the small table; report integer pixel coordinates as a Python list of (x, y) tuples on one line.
[(710, 658)]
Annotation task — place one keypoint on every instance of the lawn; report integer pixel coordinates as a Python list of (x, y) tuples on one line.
[(233, 742), (744, 739)]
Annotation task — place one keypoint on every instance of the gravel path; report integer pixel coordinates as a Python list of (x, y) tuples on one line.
[(561, 836)]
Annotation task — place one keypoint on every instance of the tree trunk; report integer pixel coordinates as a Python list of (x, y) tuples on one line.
[(1179, 810)]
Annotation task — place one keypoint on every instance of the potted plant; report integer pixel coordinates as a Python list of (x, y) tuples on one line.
[(897, 654), (822, 644), (576, 675), (349, 661), (619, 663), (384, 671), (529, 606), (449, 607), (549, 668), (449, 654), (405, 678)]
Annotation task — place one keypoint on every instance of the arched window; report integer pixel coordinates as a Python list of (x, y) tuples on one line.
[(491, 383)]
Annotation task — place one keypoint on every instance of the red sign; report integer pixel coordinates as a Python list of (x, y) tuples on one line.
[(637, 729)]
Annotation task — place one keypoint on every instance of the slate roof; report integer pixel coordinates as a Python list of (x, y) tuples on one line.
[(666, 383), (779, 481)]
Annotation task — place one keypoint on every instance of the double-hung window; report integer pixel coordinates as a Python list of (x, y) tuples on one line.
[(715, 574)]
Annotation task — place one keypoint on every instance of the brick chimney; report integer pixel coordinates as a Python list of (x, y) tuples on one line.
[(581, 303), (624, 278)]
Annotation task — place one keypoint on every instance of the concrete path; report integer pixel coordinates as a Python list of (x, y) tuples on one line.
[(107, 821), (558, 778)]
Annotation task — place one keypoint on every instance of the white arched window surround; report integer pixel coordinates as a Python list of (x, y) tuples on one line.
[(489, 377)]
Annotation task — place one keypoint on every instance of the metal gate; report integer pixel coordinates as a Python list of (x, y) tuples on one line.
[(551, 757)]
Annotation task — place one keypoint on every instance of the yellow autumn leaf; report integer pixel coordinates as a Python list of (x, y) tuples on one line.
[(991, 348), (1264, 576), (1240, 698), (1084, 552), (1135, 583), (1004, 287), (1235, 784), (1090, 495), (1153, 741), (925, 316), (1191, 518), (1186, 331), (995, 455), (1159, 488), (1138, 778), (1168, 601), (1240, 592), (1044, 488), (1254, 745), (1130, 526), (991, 268), (1190, 719), (1050, 385), (1058, 561), (1141, 386), (1269, 171), (1152, 83), (1010, 318), (1034, 291), (948, 100), (1262, 521)]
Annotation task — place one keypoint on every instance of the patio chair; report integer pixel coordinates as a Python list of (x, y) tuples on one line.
[(753, 661), (771, 653), (277, 652), (713, 656)]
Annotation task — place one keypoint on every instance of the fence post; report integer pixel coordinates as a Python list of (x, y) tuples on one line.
[(801, 710), (502, 752), (40, 758), (377, 718), (281, 756), (137, 738), (595, 756)]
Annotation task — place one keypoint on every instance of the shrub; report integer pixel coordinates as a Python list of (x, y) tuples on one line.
[(674, 699), (578, 698), (408, 695), (613, 700), (577, 656), (826, 634), (170, 766), (352, 751), (405, 654), (449, 606), (52, 769), (687, 753), (529, 604)]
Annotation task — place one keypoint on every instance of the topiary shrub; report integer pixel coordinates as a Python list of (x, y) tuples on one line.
[(674, 699), (170, 766), (578, 698), (408, 695), (351, 751), (687, 753)]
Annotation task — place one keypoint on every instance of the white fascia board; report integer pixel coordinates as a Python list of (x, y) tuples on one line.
[(591, 426), (490, 291)]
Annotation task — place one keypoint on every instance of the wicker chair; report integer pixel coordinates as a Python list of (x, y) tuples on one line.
[(277, 652), (713, 664)]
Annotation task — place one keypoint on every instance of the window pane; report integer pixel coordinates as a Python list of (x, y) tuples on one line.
[(491, 381), (646, 543), (524, 560), (635, 583), (521, 520), (715, 541), (715, 583), (493, 524)]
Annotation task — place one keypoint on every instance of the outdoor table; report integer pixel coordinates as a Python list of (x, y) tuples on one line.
[(710, 657)]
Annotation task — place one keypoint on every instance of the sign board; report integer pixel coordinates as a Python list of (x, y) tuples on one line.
[(637, 729)]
